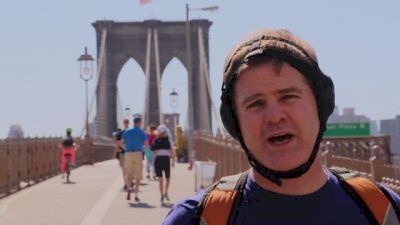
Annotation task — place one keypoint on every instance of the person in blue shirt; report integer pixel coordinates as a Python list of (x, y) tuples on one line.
[(135, 140), (276, 102)]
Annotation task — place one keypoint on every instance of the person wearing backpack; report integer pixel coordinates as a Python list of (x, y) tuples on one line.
[(120, 149), (276, 102)]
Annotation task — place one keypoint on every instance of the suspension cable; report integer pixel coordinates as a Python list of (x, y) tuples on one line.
[(204, 66), (158, 75), (147, 75)]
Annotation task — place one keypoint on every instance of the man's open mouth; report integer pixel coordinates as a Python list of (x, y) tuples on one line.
[(280, 138)]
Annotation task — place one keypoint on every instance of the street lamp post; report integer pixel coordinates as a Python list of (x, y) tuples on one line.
[(128, 112), (190, 78), (86, 74), (173, 101)]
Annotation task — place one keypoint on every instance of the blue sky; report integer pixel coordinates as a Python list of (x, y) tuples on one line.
[(357, 42)]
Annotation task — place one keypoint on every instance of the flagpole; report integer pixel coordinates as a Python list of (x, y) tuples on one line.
[(145, 2), (152, 15)]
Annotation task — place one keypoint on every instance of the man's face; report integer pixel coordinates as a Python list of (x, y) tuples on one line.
[(126, 123), (277, 114)]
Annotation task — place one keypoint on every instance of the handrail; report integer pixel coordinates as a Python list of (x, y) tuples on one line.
[(371, 162), (24, 162)]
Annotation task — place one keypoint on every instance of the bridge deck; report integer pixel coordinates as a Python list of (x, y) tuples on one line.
[(96, 198)]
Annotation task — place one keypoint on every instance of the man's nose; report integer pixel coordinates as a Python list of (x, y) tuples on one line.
[(274, 114)]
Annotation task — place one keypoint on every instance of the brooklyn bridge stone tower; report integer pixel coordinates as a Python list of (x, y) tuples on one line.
[(153, 44)]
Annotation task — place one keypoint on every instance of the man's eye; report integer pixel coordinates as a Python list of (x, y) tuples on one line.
[(289, 97), (255, 104)]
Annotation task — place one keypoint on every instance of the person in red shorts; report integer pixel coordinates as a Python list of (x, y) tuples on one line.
[(68, 146)]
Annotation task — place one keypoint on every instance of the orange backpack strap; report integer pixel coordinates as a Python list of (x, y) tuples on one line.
[(221, 201), (377, 205)]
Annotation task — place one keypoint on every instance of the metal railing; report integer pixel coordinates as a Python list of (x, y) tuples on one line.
[(371, 162)]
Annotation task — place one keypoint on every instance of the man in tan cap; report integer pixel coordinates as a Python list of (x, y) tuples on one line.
[(276, 102)]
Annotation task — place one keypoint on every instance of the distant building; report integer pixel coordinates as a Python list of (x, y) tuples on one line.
[(15, 131), (349, 116), (391, 127)]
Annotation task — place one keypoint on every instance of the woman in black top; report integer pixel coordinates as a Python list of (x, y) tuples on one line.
[(163, 153)]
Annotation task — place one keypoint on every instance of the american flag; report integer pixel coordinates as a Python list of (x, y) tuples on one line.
[(142, 2)]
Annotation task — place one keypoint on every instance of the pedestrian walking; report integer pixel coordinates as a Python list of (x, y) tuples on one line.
[(164, 159), (120, 149), (151, 136), (135, 140)]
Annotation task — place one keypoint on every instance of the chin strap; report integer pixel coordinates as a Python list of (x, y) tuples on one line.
[(277, 176)]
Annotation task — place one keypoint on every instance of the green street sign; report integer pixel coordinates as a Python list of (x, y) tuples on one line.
[(347, 129)]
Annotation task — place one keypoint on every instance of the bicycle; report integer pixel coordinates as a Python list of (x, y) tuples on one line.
[(68, 167)]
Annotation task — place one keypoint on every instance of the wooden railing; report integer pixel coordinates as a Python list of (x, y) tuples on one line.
[(231, 159), (24, 162)]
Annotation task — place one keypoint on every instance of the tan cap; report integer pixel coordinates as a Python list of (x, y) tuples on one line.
[(284, 46), (262, 41)]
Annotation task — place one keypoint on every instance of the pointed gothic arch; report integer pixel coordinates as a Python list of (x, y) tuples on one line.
[(166, 40)]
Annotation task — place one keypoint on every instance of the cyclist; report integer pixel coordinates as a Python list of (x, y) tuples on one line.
[(68, 147)]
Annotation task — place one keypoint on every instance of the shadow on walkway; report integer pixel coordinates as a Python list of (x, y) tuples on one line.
[(71, 182), (167, 205), (141, 205)]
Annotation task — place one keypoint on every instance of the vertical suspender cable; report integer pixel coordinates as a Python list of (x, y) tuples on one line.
[(190, 119), (147, 74), (158, 75)]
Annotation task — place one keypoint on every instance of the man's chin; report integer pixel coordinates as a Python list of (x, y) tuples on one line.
[(281, 166)]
